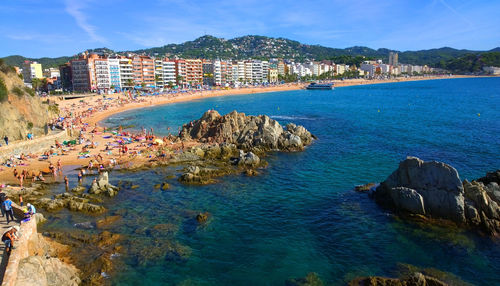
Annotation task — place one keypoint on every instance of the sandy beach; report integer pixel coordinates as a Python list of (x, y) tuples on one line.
[(93, 109)]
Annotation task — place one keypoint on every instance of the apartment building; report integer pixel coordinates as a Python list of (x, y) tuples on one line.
[(102, 76), (143, 70), (180, 72), (194, 72), (114, 73), (82, 72), (168, 72), (31, 70), (159, 82), (126, 73)]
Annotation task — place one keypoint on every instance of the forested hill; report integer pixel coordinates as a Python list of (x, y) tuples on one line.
[(260, 47)]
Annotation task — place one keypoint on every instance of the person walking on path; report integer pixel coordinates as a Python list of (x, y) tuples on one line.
[(7, 204)]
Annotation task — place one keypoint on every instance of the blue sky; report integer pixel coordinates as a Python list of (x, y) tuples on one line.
[(36, 28)]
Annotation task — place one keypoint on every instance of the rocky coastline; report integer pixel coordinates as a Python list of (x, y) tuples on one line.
[(231, 144), (433, 190)]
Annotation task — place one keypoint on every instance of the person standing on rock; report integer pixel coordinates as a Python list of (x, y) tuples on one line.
[(7, 205)]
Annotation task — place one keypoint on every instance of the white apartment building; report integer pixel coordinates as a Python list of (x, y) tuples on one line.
[(265, 71), (102, 77), (126, 73), (168, 72)]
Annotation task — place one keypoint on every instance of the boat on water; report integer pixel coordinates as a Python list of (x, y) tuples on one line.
[(314, 85)]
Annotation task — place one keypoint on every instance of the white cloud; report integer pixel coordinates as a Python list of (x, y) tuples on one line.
[(74, 8)]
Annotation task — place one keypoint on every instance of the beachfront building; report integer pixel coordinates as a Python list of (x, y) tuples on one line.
[(180, 72), (194, 72), (273, 75), (159, 72), (143, 71), (281, 68), (208, 73), (168, 72), (340, 69), (114, 74), (82, 71), (31, 70), (126, 73), (393, 59), (51, 73), (66, 77), (492, 70), (102, 76), (265, 71)]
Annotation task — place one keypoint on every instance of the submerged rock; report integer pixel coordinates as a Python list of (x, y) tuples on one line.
[(202, 217), (312, 279), (434, 189), (416, 279), (246, 132)]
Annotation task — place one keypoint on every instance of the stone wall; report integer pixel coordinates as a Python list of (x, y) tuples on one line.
[(32, 146), (28, 232), (27, 266)]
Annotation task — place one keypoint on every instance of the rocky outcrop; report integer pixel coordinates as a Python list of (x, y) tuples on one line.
[(434, 189), (37, 270), (247, 132), (71, 202), (102, 185), (416, 279)]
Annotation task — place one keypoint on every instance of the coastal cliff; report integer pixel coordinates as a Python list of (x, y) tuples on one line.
[(22, 111), (434, 190)]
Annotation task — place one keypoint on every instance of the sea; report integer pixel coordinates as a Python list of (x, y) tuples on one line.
[(301, 214)]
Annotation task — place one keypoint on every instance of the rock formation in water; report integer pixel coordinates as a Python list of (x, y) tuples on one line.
[(433, 189), (247, 132), (102, 185), (417, 279)]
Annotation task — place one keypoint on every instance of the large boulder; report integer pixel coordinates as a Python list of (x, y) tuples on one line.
[(246, 132), (434, 189), (102, 185), (38, 270), (438, 184)]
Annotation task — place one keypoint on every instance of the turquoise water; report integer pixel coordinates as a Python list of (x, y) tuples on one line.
[(301, 215)]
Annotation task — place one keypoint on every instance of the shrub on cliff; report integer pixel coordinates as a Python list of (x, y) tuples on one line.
[(4, 93), (17, 91), (29, 91)]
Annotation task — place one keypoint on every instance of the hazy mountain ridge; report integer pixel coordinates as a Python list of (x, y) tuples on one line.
[(262, 47)]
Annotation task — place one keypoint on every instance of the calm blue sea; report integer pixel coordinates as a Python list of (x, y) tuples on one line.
[(301, 215)]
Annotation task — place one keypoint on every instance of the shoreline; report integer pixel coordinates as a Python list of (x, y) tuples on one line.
[(245, 91), (119, 104)]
